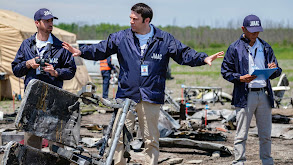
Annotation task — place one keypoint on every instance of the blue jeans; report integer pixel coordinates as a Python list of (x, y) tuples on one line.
[(106, 78)]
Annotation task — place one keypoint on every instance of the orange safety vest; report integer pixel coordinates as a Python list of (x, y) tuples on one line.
[(104, 65)]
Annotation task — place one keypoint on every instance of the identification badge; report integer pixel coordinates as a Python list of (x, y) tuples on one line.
[(144, 70)]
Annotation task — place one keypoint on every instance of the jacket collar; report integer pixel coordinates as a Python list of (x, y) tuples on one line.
[(157, 33), (246, 41), (32, 41), (56, 41)]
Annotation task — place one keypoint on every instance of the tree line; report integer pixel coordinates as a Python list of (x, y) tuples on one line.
[(195, 37)]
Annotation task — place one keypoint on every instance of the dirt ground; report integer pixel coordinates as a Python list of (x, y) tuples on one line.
[(282, 150)]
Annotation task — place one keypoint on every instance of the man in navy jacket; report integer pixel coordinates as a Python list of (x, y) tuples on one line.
[(59, 66), (143, 52), (251, 95)]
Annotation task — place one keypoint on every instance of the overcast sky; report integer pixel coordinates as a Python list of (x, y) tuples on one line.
[(214, 13)]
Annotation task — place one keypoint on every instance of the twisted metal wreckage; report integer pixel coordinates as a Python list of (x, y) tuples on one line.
[(52, 113)]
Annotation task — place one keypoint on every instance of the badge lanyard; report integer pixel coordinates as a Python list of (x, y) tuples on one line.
[(144, 69), (43, 50), (41, 53), (253, 57)]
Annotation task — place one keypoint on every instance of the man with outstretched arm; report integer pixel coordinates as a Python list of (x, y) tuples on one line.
[(143, 52)]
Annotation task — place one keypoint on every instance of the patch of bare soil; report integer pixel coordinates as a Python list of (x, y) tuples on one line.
[(282, 151)]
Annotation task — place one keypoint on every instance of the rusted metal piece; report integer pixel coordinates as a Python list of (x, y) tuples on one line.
[(50, 112)]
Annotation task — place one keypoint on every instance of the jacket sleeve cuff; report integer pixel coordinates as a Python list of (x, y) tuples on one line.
[(23, 65), (59, 73)]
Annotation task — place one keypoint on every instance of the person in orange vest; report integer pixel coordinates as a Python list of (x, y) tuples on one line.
[(105, 68)]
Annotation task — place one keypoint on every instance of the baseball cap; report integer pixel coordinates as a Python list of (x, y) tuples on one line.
[(44, 14), (252, 23)]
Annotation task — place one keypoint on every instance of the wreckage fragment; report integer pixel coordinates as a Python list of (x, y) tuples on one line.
[(201, 135), (280, 119), (16, 153), (50, 112), (167, 124), (187, 143), (11, 135), (283, 131)]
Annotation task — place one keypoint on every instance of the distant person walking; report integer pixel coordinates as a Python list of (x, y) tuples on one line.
[(251, 95), (106, 67), (143, 52), (44, 45)]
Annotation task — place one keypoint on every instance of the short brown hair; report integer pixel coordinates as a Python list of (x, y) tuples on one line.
[(144, 10)]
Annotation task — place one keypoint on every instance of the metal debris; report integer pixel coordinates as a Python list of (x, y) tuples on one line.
[(50, 112), (187, 143), (16, 154)]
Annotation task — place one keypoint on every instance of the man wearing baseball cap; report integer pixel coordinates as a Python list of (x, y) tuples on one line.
[(44, 14), (44, 45), (251, 94)]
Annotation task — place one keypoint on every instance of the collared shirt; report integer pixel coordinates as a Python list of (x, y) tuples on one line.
[(256, 61), (143, 39), (40, 44)]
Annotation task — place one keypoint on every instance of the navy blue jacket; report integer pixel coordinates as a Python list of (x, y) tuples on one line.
[(235, 64), (62, 61), (161, 47)]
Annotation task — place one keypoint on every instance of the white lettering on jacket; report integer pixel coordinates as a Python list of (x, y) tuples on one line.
[(54, 61), (156, 56)]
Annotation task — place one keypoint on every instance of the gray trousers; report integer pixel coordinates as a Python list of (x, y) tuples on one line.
[(257, 104)]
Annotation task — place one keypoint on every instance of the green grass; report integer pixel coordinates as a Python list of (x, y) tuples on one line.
[(205, 73), (283, 53), (211, 51), (180, 81)]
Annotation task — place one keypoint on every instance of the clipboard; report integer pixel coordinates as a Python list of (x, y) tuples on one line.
[(264, 74)]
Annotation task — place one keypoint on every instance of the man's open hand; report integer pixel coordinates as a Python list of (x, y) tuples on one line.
[(74, 51), (211, 58)]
